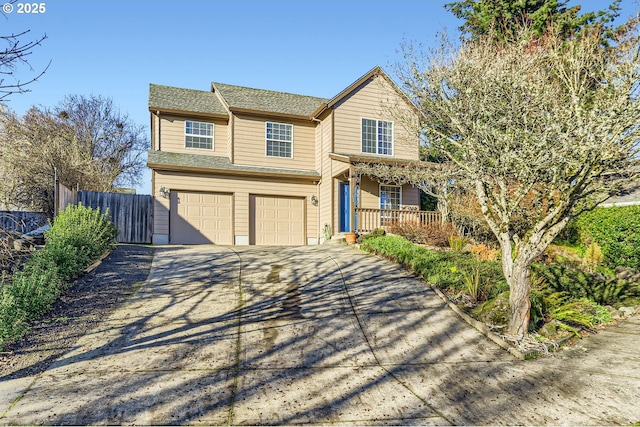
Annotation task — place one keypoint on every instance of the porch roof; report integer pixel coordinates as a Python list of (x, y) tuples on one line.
[(364, 158)]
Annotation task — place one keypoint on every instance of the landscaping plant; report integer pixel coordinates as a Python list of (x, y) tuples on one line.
[(78, 236)]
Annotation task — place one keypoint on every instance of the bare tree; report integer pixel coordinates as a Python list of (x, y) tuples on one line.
[(86, 139), (113, 142), (542, 128), (16, 53)]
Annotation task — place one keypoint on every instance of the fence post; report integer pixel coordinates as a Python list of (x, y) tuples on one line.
[(56, 202)]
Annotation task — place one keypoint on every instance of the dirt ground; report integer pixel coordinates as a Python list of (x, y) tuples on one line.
[(87, 301)]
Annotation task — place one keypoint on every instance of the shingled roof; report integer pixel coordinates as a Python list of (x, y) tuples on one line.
[(181, 161), (178, 99), (249, 99)]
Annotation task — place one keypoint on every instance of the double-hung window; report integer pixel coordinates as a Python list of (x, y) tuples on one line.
[(279, 140), (198, 135), (377, 137), (390, 199)]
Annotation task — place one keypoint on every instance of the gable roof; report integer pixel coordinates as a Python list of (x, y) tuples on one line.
[(375, 71), (225, 97), (239, 98), (187, 100)]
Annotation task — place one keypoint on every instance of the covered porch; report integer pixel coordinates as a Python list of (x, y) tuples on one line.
[(365, 204)]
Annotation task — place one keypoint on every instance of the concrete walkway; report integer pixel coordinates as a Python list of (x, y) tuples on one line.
[(319, 334)]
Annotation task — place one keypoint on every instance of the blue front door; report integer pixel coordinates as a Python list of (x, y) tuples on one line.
[(345, 207)]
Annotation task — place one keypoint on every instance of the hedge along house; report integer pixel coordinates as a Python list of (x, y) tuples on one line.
[(244, 166)]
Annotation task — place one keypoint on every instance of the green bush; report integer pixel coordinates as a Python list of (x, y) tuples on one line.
[(78, 236), (616, 230), (580, 284)]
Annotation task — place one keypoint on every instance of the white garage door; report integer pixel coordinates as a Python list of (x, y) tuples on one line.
[(278, 220), (201, 218)]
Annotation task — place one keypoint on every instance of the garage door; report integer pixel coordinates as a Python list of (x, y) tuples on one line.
[(278, 220), (200, 218)]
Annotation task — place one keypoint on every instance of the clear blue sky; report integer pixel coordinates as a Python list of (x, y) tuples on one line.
[(115, 48)]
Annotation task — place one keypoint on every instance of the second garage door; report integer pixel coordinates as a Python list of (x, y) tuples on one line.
[(278, 220), (198, 218)]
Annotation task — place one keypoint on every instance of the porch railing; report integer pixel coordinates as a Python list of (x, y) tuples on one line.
[(370, 219)]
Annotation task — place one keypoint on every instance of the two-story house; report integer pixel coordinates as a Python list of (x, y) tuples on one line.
[(243, 166)]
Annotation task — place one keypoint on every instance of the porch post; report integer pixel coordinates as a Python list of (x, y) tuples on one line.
[(352, 198)]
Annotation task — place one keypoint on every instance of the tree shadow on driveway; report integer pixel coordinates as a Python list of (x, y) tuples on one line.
[(263, 336)]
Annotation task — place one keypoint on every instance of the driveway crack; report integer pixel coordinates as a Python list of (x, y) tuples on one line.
[(378, 362)]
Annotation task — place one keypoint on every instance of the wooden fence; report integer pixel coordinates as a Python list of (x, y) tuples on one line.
[(22, 222), (368, 220), (64, 196), (131, 213)]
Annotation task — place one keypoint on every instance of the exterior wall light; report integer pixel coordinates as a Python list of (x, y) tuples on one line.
[(164, 192)]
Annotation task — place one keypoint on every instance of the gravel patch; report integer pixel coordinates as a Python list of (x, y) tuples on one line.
[(86, 302)]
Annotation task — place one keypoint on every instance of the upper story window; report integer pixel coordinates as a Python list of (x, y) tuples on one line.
[(279, 140), (377, 137), (198, 135)]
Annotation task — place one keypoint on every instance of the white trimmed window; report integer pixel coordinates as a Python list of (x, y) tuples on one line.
[(198, 135), (279, 140), (390, 197), (377, 137)]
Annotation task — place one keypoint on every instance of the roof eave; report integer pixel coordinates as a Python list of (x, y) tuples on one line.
[(188, 113), (233, 172), (358, 158)]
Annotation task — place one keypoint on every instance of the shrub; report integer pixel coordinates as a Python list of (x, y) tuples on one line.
[(457, 243), (483, 252), (78, 236), (549, 304), (593, 256), (375, 233), (432, 233), (580, 284), (615, 229)]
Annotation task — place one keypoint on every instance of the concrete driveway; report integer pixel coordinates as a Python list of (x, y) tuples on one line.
[(317, 334)]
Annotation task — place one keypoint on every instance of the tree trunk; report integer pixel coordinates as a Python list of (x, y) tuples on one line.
[(516, 271), (519, 299)]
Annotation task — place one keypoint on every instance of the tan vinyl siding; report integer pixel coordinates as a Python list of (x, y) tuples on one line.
[(326, 203), (160, 208), (172, 134), (372, 100), (370, 195), (410, 196), (229, 138), (250, 144), (240, 187)]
